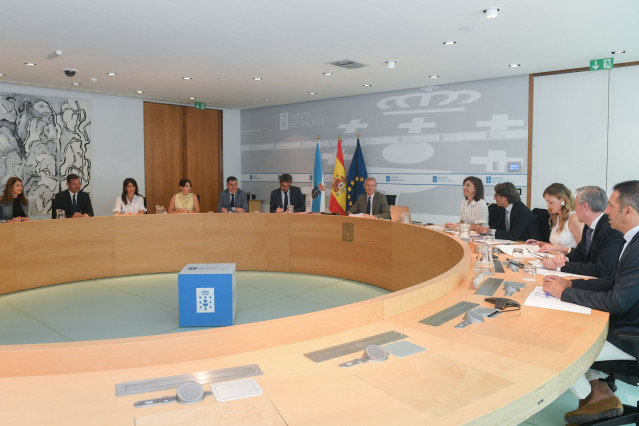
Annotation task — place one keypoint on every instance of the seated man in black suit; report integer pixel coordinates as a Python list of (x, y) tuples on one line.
[(74, 201), (372, 203), (617, 294), (597, 253), (232, 199), (287, 195), (514, 219)]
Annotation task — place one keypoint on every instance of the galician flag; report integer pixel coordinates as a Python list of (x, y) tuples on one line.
[(338, 189), (319, 205)]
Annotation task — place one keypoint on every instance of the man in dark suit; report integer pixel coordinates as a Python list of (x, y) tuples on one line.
[(598, 251), (514, 219), (232, 199), (74, 201), (372, 203), (617, 294), (287, 195)]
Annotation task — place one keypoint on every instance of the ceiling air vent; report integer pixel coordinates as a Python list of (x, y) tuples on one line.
[(346, 64)]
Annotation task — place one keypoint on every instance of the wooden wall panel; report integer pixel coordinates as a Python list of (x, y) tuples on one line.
[(158, 243), (163, 152), (8, 283), (203, 154), (59, 251), (317, 248), (255, 242), (426, 257)]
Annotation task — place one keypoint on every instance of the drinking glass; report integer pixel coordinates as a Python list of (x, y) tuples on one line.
[(60, 214), (530, 273), (464, 232)]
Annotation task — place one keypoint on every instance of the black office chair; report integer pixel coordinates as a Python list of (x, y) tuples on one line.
[(391, 199), (543, 217), (626, 371)]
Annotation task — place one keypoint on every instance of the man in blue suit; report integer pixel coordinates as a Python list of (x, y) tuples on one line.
[(74, 201), (287, 195), (232, 199), (512, 219), (617, 294)]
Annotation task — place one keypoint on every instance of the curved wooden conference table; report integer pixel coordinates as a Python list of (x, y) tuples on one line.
[(498, 372)]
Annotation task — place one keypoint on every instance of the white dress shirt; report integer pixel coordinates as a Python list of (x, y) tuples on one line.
[(136, 205)]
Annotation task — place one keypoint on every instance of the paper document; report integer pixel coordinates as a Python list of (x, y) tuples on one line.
[(539, 299), (529, 250)]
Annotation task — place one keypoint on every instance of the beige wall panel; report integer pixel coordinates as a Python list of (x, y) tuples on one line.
[(204, 154), (158, 243), (59, 251), (317, 248), (255, 242), (9, 281)]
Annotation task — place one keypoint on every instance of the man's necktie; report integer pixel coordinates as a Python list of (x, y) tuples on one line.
[(589, 232), (368, 206), (507, 221), (232, 200), (75, 204), (285, 201)]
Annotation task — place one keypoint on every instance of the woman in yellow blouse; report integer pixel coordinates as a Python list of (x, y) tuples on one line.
[(184, 201)]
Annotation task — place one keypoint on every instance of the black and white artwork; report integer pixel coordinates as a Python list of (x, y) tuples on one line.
[(42, 140)]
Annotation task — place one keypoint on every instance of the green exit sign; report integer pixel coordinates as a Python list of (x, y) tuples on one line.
[(200, 105), (602, 64)]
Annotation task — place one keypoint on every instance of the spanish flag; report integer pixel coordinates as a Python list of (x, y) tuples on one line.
[(338, 189)]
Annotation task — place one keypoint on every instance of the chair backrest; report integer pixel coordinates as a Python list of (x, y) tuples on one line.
[(542, 216), (396, 213), (391, 199)]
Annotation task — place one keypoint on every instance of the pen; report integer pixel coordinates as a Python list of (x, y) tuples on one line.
[(547, 294)]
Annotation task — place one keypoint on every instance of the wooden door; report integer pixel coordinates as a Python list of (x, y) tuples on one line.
[(163, 157), (182, 142), (203, 155)]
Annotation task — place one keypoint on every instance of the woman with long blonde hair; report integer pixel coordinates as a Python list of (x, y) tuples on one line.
[(566, 229)]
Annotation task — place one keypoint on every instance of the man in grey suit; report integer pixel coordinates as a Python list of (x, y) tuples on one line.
[(617, 294), (372, 203), (598, 251), (232, 199)]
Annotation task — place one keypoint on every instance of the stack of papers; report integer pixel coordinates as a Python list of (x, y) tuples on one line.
[(538, 298)]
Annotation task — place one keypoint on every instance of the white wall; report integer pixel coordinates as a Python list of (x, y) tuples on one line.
[(585, 129), (231, 150), (117, 133)]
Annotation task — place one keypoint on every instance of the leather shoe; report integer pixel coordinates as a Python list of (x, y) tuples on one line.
[(607, 407)]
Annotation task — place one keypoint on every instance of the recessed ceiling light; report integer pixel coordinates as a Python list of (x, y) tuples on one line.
[(77, 83), (30, 64), (257, 78), (222, 78), (2, 74), (433, 76), (466, 28), (312, 93), (112, 74), (186, 78), (449, 42), (139, 92), (94, 79), (367, 85), (617, 52), (266, 99), (514, 65), (391, 64), (491, 12), (192, 98), (328, 73)]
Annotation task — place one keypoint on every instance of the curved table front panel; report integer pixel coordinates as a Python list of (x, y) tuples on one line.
[(501, 371)]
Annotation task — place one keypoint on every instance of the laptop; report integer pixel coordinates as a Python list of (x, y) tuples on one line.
[(396, 213)]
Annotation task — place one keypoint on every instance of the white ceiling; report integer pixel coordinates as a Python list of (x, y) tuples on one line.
[(223, 44)]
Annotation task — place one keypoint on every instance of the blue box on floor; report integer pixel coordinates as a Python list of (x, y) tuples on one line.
[(206, 294)]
